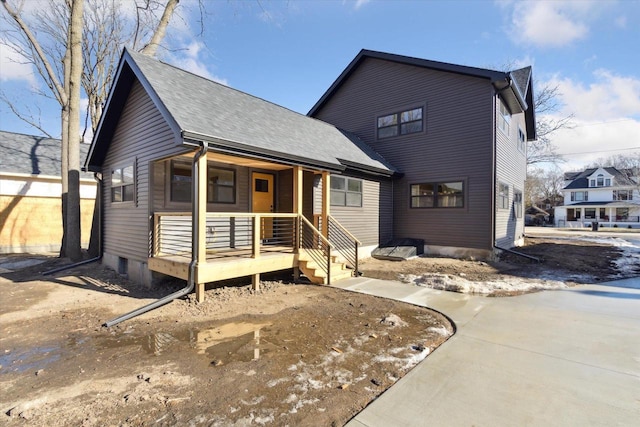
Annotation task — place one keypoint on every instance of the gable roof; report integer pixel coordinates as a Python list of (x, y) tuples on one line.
[(515, 87), (198, 109), (33, 155), (581, 179)]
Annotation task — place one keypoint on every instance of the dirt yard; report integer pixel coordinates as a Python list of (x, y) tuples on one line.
[(289, 354)]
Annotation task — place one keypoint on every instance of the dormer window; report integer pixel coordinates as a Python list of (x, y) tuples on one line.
[(600, 180)]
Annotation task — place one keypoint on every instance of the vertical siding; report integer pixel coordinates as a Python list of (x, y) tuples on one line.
[(511, 169), (141, 136), (457, 144)]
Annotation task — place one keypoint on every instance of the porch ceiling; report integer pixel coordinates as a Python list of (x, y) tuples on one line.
[(241, 161)]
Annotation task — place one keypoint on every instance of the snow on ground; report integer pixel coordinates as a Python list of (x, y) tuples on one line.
[(447, 282), (628, 265)]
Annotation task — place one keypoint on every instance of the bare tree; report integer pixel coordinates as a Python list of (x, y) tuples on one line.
[(544, 187), (57, 43), (545, 103)]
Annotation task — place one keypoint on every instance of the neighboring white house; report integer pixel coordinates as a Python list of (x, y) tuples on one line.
[(608, 196)]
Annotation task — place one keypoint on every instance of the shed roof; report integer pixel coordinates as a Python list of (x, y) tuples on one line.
[(203, 110), (33, 155), (516, 87)]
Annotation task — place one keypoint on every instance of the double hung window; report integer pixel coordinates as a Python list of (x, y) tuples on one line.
[(123, 184)]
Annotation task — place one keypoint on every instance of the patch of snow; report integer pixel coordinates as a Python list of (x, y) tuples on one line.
[(446, 282), (404, 363), (264, 419), (255, 401), (276, 381), (440, 330)]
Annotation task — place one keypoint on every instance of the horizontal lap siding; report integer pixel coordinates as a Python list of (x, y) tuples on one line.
[(141, 136), (511, 169), (457, 144)]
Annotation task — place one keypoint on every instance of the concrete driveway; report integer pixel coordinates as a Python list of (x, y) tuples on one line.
[(554, 358)]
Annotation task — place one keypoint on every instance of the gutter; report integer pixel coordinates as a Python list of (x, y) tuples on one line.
[(195, 219)]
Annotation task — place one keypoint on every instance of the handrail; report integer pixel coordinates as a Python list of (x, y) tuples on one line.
[(316, 231), (344, 230)]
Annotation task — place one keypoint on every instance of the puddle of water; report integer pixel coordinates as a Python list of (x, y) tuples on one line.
[(33, 359), (231, 342)]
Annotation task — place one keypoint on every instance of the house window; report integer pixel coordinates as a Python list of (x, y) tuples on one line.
[(622, 194), (622, 214), (517, 203), (504, 118), (600, 180), (402, 123), (221, 183), (438, 194), (579, 196), (603, 214), (522, 145), (503, 196), (123, 184), (346, 191), (592, 183), (607, 182), (590, 213)]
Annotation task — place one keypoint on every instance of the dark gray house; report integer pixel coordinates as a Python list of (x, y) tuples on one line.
[(457, 136), (204, 182)]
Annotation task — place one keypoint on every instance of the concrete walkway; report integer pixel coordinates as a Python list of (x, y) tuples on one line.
[(554, 358)]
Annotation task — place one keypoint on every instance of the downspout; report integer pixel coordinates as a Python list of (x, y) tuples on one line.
[(88, 261), (195, 219), (494, 159)]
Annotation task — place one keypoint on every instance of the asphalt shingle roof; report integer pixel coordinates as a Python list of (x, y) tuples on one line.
[(33, 155), (581, 179), (208, 108)]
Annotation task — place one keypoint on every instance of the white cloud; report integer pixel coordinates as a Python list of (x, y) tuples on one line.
[(549, 23), (609, 96), (606, 117), (360, 3), (13, 65), (188, 58)]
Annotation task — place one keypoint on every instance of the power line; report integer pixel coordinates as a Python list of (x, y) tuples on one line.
[(601, 151)]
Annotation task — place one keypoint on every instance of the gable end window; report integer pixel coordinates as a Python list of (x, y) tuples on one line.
[(437, 195), (503, 196), (221, 183), (402, 123), (346, 192), (123, 184)]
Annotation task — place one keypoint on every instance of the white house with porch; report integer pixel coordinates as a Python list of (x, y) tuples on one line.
[(606, 195)]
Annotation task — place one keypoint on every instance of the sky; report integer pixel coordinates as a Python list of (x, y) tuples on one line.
[(290, 52)]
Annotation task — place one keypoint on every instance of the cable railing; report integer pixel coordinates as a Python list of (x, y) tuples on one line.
[(315, 245), (229, 233), (343, 242)]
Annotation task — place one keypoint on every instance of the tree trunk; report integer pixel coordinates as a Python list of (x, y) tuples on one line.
[(151, 48), (73, 247), (64, 148)]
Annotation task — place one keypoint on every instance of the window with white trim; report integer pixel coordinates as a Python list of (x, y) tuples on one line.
[(123, 184), (579, 196), (622, 194), (401, 123), (522, 140), (346, 191)]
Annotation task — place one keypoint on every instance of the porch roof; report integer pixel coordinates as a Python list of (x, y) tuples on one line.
[(199, 109), (611, 204)]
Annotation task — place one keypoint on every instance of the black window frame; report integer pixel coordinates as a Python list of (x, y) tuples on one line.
[(345, 191), (211, 187), (398, 124), (522, 144), (416, 201), (125, 188)]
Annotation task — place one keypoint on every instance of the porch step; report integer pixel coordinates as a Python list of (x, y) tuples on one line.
[(316, 274)]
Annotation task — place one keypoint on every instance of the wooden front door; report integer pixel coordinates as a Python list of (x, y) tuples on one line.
[(263, 200)]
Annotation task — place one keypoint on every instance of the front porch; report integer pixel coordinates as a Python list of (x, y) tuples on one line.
[(204, 246), (605, 216)]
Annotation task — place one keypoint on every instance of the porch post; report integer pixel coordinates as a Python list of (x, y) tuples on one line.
[(297, 190), (326, 203), (202, 224)]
